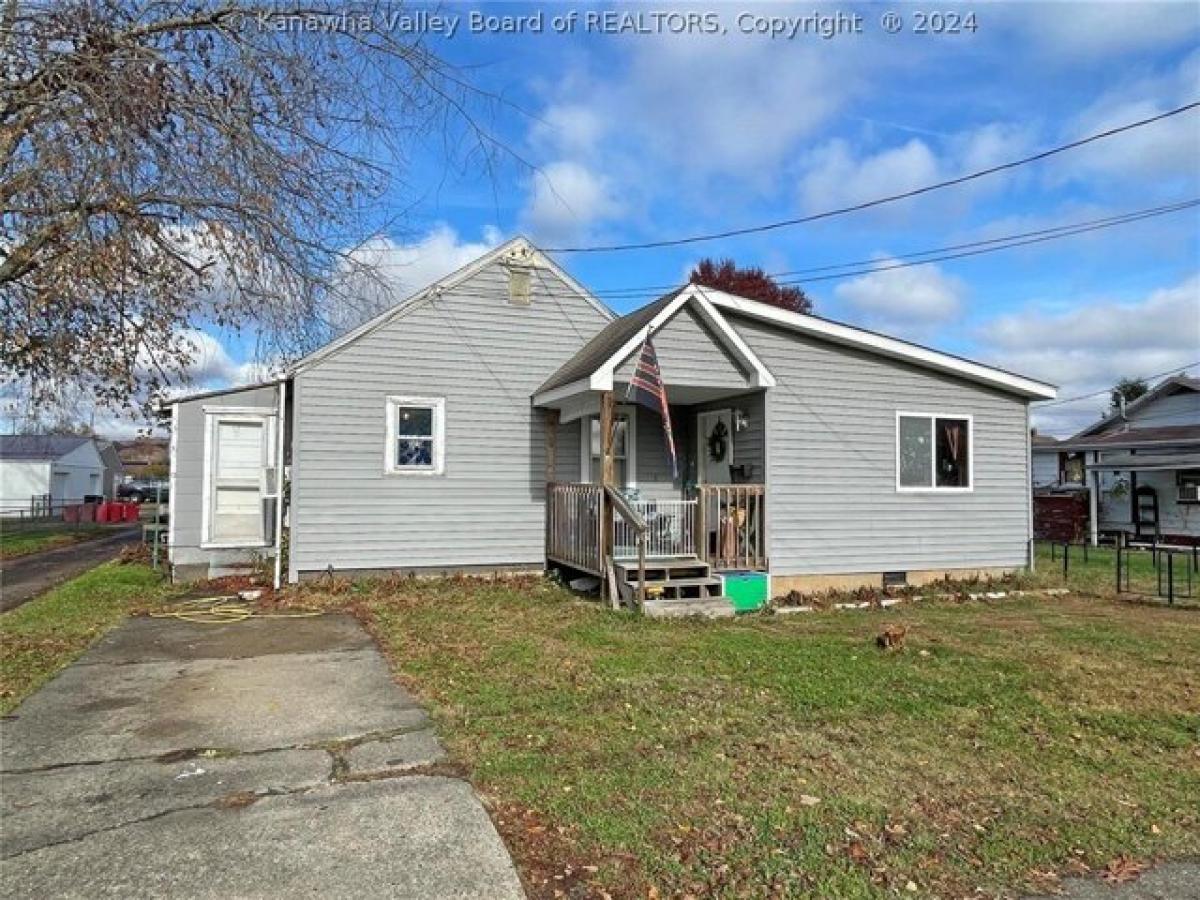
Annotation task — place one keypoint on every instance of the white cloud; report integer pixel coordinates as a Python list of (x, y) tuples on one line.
[(569, 128), (1095, 31), (910, 301), (567, 199), (835, 176), (1163, 152), (1092, 346), (382, 272), (838, 174)]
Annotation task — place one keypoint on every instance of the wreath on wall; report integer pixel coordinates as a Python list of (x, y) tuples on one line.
[(718, 442)]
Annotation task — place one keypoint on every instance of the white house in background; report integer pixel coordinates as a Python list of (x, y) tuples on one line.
[(35, 468), (1143, 465)]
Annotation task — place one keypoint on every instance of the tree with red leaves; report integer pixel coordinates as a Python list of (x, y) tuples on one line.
[(752, 283)]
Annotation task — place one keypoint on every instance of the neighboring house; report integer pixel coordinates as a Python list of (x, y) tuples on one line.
[(37, 470), (1143, 465), (144, 457), (462, 431), (114, 471), (1047, 465)]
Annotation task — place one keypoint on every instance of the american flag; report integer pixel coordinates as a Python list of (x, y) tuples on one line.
[(646, 387)]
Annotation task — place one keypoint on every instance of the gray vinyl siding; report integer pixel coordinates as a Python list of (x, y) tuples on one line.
[(832, 502), (689, 355), (1182, 408), (749, 444), (187, 476), (485, 357)]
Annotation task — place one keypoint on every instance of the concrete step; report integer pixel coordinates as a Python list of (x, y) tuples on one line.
[(708, 608)]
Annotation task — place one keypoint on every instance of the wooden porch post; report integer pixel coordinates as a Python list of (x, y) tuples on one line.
[(553, 417), (607, 479)]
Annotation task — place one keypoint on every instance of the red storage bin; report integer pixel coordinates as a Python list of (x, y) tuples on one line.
[(131, 512)]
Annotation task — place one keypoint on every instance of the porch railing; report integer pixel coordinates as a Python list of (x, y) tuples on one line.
[(725, 525), (732, 525), (573, 523), (670, 529)]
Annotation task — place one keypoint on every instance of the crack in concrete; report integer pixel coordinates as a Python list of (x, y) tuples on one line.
[(123, 663), (183, 754), (242, 799), (191, 807)]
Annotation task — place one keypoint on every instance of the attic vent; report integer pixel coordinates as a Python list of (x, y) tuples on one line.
[(518, 285)]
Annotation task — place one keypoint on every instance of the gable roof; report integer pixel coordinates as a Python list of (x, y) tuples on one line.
[(517, 246), (882, 345), (1043, 441), (593, 367), (1164, 388), (39, 446), (1137, 437)]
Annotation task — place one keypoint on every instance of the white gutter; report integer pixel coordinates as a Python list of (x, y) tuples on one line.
[(281, 432)]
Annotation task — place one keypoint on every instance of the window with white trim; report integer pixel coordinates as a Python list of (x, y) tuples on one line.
[(933, 452), (238, 453), (415, 435), (624, 448)]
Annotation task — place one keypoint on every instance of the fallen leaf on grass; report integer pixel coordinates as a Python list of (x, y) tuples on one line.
[(809, 800), (1123, 868)]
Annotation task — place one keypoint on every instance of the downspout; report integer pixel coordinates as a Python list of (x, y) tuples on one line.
[(171, 494), (1029, 546), (281, 433)]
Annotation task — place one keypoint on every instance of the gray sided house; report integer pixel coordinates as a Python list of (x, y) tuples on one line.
[(486, 424), (1142, 466)]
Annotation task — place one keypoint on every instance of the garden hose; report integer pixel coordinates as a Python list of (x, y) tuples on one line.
[(222, 610)]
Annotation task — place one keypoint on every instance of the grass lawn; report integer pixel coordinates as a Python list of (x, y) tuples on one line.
[(1097, 573), (45, 634), (34, 539), (1004, 745)]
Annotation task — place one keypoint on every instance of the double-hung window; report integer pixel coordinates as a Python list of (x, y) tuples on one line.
[(624, 448), (933, 453), (416, 435), (239, 473)]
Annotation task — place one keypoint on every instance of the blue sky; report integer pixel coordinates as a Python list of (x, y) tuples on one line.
[(636, 137)]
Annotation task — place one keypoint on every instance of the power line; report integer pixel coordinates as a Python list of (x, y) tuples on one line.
[(998, 243), (962, 179), (907, 260), (1108, 390)]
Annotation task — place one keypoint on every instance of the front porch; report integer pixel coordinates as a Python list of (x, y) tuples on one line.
[(619, 504)]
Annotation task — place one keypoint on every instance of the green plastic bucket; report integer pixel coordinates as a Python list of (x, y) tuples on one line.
[(746, 591)]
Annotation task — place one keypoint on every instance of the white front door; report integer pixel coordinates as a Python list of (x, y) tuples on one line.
[(714, 446)]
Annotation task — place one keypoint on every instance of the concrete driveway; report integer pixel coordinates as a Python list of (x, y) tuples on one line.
[(267, 758), (24, 577)]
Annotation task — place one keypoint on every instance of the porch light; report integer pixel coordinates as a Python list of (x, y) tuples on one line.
[(740, 420)]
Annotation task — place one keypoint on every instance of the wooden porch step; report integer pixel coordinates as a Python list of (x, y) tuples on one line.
[(661, 570)]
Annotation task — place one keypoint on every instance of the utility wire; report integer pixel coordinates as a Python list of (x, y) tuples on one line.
[(906, 260), (1065, 230), (828, 214), (1046, 404)]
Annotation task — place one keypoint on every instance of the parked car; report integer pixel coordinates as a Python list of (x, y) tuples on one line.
[(143, 491)]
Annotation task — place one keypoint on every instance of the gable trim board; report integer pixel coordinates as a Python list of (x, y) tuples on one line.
[(518, 245), (882, 345), (1166, 386), (602, 378)]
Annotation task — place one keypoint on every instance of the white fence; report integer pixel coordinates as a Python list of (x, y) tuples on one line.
[(670, 529)]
